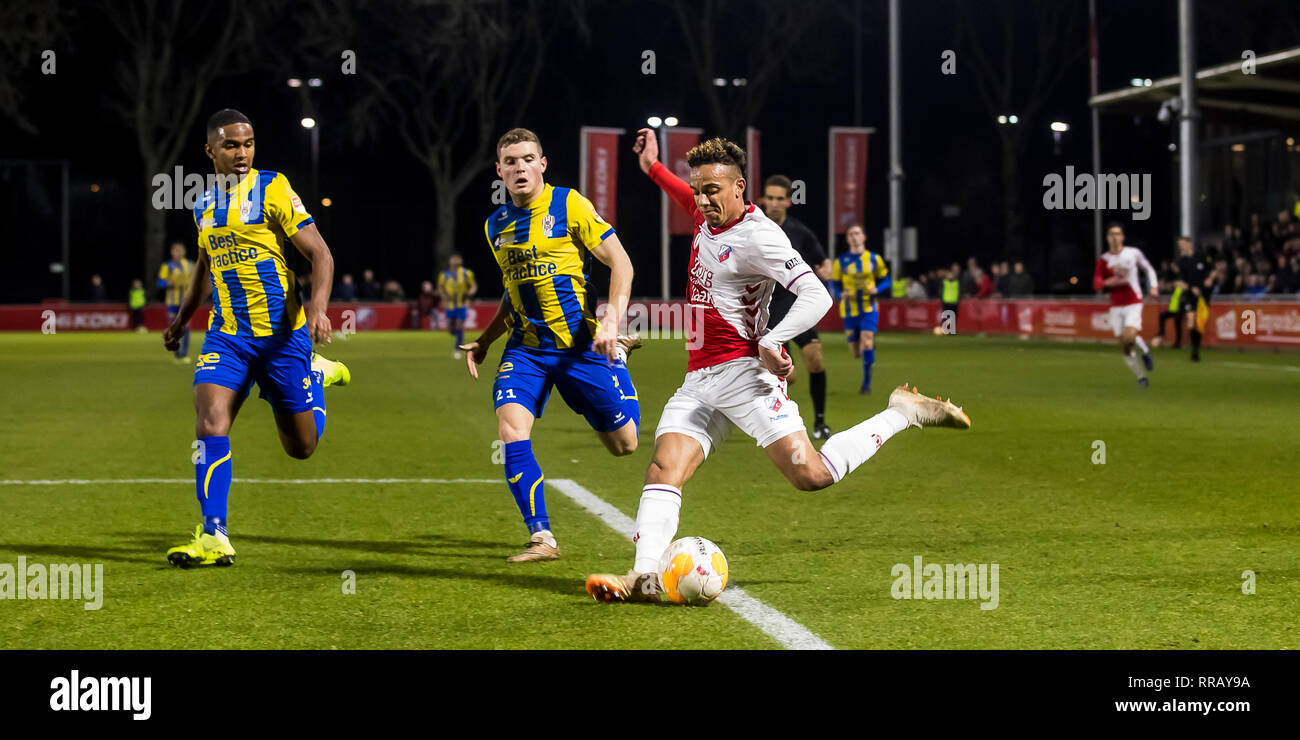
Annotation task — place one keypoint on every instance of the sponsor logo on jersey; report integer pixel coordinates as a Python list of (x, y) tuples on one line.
[(297, 205), (790, 263)]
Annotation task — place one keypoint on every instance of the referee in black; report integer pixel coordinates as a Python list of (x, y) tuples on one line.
[(776, 204), (1192, 281)]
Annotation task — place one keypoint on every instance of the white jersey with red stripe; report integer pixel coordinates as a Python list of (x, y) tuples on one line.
[(733, 271), (1124, 264)]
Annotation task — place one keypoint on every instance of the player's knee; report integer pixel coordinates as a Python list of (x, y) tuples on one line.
[(300, 449), (808, 478)]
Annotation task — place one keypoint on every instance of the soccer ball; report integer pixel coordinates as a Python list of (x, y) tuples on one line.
[(693, 571)]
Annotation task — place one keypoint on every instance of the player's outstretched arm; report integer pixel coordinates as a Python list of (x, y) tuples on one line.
[(612, 254), (647, 150), (196, 293), (312, 245), (476, 351)]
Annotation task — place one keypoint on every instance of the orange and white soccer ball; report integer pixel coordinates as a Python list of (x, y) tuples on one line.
[(693, 571)]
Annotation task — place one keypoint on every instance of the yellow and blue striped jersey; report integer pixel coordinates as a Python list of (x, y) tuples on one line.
[(543, 251), (857, 275), (455, 284), (244, 232), (174, 277)]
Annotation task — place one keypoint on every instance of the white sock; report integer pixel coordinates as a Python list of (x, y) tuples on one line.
[(1134, 364), (844, 452), (656, 523), (1142, 345), (547, 537)]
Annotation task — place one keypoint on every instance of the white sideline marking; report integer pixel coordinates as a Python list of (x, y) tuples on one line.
[(290, 481), (789, 633)]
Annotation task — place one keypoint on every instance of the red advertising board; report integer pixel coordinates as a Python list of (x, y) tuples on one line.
[(676, 142), (848, 177), (599, 178)]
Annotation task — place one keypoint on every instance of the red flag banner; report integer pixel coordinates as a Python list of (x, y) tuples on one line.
[(599, 179), (848, 175), (676, 142), (753, 172)]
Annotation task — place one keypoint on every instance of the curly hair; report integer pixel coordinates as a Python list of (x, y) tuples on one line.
[(717, 151)]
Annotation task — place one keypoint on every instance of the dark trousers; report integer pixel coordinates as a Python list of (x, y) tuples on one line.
[(1177, 316)]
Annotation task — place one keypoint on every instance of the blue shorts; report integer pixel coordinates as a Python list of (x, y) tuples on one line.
[(862, 322), (281, 365), (456, 313), (585, 379)]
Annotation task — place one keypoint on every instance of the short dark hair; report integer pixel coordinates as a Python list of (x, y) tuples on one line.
[(717, 151), (515, 136), (225, 117), (781, 181), (1114, 225)]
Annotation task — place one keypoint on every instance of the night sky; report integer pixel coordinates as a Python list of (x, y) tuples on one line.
[(382, 218)]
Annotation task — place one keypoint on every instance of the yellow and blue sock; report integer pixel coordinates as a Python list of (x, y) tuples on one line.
[(631, 405), (318, 401), (868, 357), (212, 478), (525, 478)]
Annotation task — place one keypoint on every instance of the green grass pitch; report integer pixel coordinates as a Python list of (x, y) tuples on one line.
[(1145, 551)]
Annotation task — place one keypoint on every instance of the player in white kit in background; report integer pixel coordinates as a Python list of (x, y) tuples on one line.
[(737, 366), (1117, 274)]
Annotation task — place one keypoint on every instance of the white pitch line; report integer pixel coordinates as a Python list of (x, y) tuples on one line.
[(289, 481), (789, 633)]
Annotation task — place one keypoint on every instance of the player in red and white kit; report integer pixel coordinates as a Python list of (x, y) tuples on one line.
[(736, 370), (1117, 274)]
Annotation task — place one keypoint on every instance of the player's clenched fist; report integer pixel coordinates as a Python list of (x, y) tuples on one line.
[(318, 324), (646, 148), (778, 363), (172, 337)]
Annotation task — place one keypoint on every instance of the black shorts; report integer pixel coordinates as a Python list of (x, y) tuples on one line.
[(1187, 302), (808, 337)]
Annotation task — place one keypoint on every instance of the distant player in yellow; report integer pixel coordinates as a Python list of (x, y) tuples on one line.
[(857, 277), (173, 276), (456, 285), (542, 240), (258, 329)]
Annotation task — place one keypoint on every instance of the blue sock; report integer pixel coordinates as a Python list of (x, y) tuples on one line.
[(212, 481), (524, 476), (184, 348), (631, 405), (318, 401), (868, 357), (460, 336)]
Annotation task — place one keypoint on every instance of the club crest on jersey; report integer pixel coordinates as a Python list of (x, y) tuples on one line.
[(244, 209), (774, 404), (548, 226), (725, 253)]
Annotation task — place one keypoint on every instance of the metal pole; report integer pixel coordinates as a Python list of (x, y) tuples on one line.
[(857, 63), (892, 249), (67, 268), (1188, 116), (663, 220), (315, 161), (1096, 122)]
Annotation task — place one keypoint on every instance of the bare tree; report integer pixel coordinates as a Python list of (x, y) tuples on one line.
[(770, 33), (26, 30), (446, 77), (1019, 80), (173, 51)]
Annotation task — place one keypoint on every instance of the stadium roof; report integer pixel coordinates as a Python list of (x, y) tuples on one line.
[(1224, 91)]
